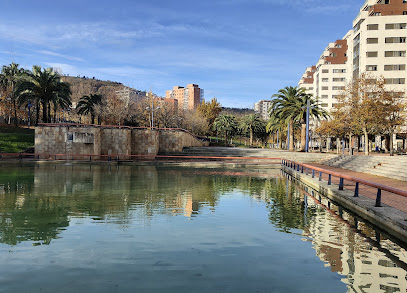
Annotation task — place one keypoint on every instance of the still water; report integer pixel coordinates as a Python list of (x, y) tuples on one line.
[(82, 228)]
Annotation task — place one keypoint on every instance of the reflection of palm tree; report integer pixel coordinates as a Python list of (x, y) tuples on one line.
[(87, 104)]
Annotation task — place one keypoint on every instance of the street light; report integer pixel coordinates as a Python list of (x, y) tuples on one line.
[(152, 112), (307, 129)]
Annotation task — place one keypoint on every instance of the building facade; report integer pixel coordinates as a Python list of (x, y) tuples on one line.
[(261, 108), (189, 97), (376, 46)]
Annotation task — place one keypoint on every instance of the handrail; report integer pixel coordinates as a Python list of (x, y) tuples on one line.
[(136, 156), (342, 177)]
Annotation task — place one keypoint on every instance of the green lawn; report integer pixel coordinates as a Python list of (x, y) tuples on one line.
[(15, 139)]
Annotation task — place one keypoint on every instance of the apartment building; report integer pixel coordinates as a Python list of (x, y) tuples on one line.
[(376, 45), (128, 94), (189, 98), (261, 108)]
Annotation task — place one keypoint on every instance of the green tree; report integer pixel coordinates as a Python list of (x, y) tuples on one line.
[(87, 105), (9, 77), (253, 124), (44, 87), (290, 105), (227, 125), (210, 110)]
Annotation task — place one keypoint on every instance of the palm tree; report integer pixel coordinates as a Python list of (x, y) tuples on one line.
[(87, 104), (226, 124), (9, 77), (43, 87), (252, 124), (275, 125), (290, 105)]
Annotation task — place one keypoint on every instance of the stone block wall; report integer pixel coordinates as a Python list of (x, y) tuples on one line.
[(116, 141), (67, 140), (145, 141), (173, 141), (80, 140)]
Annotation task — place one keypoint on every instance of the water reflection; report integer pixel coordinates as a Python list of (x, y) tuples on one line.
[(40, 202)]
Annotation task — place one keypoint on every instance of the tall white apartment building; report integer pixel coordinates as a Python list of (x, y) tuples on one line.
[(262, 107), (376, 46)]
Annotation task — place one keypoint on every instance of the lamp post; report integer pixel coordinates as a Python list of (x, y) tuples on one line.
[(307, 128), (288, 137), (152, 112)]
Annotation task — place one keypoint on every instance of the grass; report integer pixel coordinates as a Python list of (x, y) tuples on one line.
[(15, 139)]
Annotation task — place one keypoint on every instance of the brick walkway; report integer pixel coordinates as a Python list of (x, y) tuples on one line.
[(393, 200)]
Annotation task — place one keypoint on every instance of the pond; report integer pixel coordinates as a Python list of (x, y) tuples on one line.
[(90, 228)]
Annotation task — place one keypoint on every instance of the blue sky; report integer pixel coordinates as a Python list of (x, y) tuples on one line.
[(240, 51)]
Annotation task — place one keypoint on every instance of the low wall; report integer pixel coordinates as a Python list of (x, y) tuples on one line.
[(99, 140), (173, 141), (67, 140)]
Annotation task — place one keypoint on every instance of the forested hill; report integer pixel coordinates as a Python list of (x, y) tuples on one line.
[(81, 86)]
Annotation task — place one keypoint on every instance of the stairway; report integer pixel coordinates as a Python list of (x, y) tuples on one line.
[(386, 166)]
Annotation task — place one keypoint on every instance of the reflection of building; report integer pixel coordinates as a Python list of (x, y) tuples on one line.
[(262, 108), (189, 98)]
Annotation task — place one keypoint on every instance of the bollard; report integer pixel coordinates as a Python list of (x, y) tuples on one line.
[(341, 184), (306, 172), (320, 176), (313, 173), (356, 190), (330, 179), (302, 169), (379, 198)]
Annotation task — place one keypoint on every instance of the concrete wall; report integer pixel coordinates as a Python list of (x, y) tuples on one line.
[(80, 140)]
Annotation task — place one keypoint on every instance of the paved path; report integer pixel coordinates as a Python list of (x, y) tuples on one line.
[(393, 200)]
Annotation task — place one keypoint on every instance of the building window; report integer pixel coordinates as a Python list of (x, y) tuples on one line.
[(339, 71), (324, 105), (395, 40), (395, 54), (397, 26), (337, 79), (324, 97), (338, 88), (395, 80), (324, 88), (372, 27), (325, 70), (325, 80), (394, 67), (371, 54), (404, 12), (371, 67), (372, 40)]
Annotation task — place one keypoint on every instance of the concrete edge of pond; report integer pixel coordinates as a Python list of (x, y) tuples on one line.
[(389, 219)]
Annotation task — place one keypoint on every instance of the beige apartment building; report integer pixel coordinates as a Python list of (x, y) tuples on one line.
[(376, 45), (261, 108), (188, 98)]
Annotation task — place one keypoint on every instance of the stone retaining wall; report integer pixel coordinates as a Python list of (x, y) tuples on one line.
[(89, 140)]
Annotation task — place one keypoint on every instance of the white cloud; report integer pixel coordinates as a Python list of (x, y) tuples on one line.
[(50, 53)]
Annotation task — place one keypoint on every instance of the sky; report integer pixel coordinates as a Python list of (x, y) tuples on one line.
[(239, 51)]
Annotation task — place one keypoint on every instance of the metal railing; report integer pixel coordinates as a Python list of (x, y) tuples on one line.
[(315, 171), (118, 158)]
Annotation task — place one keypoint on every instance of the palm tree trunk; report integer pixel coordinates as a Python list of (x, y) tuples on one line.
[(303, 137), (291, 125), (44, 112), (37, 112), (251, 136), (15, 112)]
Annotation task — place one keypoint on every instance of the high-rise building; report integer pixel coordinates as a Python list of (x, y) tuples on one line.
[(189, 98), (262, 107), (376, 46)]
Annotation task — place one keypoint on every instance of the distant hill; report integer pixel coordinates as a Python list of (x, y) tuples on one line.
[(237, 111), (81, 86)]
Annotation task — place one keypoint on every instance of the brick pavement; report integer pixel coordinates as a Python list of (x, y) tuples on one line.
[(390, 199)]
